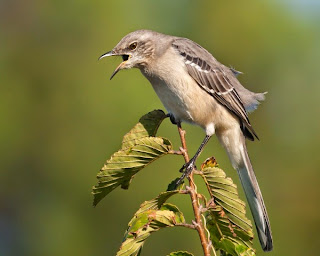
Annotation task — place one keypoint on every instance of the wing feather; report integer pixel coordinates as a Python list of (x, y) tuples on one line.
[(211, 77)]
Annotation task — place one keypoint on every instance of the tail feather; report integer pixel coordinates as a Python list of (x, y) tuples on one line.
[(233, 140), (255, 200)]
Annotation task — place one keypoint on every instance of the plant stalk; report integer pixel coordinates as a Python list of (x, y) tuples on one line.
[(194, 197)]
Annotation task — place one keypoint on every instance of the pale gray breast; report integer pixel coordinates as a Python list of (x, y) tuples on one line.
[(172, 93), (179, 92)]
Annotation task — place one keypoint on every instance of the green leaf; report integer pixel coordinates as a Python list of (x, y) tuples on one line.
[(124, 164), (139, 149), (225, 194), (147, 127), (173, 185), (230, 230), (180, 253), (145, 224), (152, 216), (154, 204)]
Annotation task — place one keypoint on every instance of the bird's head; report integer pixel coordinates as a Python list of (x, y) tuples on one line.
[(137, 50)]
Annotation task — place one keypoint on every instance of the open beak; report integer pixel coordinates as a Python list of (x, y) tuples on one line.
[(122, 64)]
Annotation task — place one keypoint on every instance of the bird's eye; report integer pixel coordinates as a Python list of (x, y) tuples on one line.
[(133, 46)]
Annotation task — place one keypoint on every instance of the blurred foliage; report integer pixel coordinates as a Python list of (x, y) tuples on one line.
[(61, 116)]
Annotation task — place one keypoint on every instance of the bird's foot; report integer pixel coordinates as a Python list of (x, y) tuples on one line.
[(172, 119), (188, 168)]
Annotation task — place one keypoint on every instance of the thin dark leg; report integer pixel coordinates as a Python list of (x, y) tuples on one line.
[(188, 167)]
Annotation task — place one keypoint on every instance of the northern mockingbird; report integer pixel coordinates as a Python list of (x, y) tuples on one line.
[(195, 88)]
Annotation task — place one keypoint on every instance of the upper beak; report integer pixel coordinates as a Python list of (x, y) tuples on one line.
[(111, 53), (106, 55)]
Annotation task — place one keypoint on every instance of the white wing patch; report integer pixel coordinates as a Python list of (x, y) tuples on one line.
[(192, 64), (226, 92), (188, 62)]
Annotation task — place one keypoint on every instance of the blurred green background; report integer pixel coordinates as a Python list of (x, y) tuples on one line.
[(61, 118)]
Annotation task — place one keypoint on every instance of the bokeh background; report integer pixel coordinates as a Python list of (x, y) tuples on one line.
[(61, 118)]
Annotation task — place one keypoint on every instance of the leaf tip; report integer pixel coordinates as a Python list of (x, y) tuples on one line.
[(209, 162)]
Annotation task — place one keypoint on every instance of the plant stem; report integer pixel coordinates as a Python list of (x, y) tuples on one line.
[(174, 152), (186, 225), (194, 197)]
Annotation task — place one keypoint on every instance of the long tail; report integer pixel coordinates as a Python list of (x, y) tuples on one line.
[(255, 200), (237, 151)]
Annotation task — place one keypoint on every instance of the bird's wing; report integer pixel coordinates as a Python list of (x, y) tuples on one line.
[(212, 77)]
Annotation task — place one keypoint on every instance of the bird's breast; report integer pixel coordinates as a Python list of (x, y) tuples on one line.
[(174, 99), (183, 97)]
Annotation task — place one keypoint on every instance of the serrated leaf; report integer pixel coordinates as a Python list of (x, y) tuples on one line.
[(124, 164), (152, 216), (225, 194), (139, 148), (153, 204), (180, 253), (230, 230), (147, 127)]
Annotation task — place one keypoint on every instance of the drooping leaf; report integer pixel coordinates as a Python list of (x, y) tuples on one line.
[(230, 230), (152, 216), (180, 253), (139, 148), (124, 164)]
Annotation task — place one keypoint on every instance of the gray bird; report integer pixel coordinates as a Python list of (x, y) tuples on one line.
[(195, 88)]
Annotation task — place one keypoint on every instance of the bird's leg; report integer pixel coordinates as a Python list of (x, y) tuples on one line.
[(188, 167)]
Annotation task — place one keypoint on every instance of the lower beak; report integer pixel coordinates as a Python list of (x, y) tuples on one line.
[(118, 69), (121, 66)]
